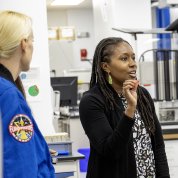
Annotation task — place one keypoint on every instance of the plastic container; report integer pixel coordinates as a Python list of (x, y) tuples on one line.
[(84, 162)]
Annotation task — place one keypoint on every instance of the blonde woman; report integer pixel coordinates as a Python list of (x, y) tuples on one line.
[(25, 152)]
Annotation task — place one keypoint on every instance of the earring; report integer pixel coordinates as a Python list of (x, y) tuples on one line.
[(109, 79)]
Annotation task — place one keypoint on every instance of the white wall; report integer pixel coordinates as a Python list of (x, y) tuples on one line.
[(57, 18), (130, 14), (103, 11), (42, 109), (123, 14), (174, 16), (61, 56), (82, 19), (173, 13), (65, 55)]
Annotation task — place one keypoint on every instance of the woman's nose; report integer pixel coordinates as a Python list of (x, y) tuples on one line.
[(132, 63)]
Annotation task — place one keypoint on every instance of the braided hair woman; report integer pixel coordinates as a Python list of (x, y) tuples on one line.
[(119, 118)]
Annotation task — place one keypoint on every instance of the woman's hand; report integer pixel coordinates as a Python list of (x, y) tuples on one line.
[(130, 93)]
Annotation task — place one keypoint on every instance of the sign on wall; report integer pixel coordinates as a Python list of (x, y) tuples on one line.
[(31, 83)]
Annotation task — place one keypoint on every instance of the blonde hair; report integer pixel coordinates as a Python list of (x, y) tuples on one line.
[(14, 27)]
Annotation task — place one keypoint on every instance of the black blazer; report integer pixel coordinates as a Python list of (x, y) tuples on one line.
[(111, 141)]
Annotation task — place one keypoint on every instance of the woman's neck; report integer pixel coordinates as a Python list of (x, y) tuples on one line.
[(12, 66), (117, 88)]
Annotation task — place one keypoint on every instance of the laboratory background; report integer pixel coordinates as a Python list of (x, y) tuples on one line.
[(65, 36)]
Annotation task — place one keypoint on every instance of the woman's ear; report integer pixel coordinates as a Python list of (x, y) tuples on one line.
[(105, 67), (24, 44)]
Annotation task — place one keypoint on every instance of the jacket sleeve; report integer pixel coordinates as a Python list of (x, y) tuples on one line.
[(162, 169), (108, 142), (20, 144)]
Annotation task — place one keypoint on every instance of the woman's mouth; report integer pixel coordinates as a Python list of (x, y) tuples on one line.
[(132, 74)]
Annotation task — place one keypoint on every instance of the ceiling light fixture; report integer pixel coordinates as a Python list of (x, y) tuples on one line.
[(66, 2)]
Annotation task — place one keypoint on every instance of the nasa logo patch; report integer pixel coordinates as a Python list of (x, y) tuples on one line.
[(21, 128)]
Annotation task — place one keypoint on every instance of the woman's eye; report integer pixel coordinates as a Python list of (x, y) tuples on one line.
[(123, 58)]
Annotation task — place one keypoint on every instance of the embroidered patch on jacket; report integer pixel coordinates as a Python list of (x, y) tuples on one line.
[(21, 128)]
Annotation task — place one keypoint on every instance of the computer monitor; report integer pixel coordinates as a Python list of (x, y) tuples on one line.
[(68, 89)]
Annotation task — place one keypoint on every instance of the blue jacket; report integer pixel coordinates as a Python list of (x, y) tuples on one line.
[(25, 152)]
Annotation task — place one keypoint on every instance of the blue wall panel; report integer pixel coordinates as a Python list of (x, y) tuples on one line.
[(162, 21)]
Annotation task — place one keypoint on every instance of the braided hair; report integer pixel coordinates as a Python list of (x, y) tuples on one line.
[(103, 53)]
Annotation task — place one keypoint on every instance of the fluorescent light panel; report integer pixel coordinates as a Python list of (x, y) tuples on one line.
[(66, 2)]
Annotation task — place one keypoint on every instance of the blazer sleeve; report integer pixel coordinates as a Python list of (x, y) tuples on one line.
[(22, 147), (162, 169), (108, 142)]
